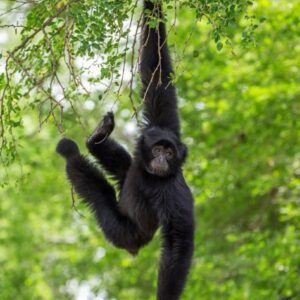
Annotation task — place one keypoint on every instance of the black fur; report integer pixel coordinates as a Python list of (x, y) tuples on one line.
[(146, 201), (67, 148)]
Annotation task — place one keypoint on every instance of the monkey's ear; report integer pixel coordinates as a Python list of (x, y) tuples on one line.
[(183, 152)]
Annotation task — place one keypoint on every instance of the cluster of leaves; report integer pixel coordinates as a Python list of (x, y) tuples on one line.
[(53, 35), (223, 16)]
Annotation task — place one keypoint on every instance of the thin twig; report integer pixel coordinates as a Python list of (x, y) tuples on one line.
[(132, 68), (12, 9), (126, 46)]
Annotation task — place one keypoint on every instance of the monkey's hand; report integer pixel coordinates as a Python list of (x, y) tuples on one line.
[(103, 130), (67, 148)]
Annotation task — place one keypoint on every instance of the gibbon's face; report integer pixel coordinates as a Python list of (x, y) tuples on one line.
[(162, 156), (161, 152), (162, 159)]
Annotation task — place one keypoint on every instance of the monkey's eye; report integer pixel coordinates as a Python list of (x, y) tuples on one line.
[(157, 150), (169, 153)]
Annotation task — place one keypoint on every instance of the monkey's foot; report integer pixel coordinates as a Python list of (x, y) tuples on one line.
[(103, 130), (67, 148)]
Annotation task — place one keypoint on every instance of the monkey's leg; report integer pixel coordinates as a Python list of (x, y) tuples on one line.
[(176, 258), (111, 155), (177, 222), (94, 189)]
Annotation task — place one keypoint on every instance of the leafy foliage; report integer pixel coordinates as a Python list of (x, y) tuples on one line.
[(240, 110)]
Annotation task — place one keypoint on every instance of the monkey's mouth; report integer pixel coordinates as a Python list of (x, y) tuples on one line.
[(159, 169)]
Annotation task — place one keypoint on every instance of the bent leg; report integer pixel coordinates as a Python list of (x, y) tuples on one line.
[(95, 191), (111, 155)]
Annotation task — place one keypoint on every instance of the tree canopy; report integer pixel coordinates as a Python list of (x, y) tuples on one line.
[(65, 63)]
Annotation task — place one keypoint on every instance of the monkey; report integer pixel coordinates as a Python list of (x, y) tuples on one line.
[(152, 191)]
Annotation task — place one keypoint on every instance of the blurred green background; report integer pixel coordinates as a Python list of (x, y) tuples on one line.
[(240, 110)]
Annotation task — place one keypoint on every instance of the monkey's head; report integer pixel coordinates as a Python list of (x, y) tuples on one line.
[(162, 153)]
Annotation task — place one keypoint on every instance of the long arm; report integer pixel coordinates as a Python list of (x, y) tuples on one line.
[(159, 94), (113, 157)]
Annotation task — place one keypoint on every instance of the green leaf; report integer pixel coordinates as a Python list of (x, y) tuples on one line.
[(219, 46), (196, 53)]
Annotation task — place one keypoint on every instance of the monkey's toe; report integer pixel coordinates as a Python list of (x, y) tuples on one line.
[(108, 121)]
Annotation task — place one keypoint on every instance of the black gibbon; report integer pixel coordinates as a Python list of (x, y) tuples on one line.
[(153, 191)]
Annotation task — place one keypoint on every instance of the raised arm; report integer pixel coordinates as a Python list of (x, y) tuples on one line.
[(159, 94)]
